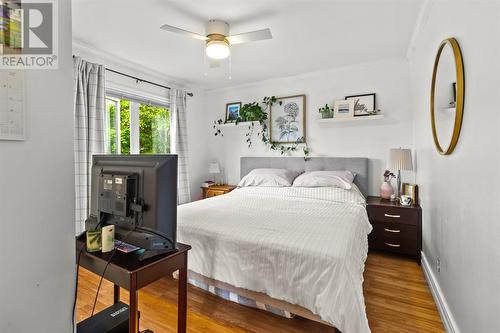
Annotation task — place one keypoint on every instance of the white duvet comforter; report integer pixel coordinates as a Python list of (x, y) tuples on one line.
[(306, 246)]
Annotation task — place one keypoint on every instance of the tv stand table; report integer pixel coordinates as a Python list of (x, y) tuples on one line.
[(127, 271)]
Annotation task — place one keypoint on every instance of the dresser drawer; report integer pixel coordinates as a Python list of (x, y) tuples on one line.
[(394, 237), (393, 214)]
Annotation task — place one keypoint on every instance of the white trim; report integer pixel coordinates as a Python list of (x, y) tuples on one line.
[(118, 129), (116, 62), (134, 128), (123, 91), (419, 23), (450, 325)]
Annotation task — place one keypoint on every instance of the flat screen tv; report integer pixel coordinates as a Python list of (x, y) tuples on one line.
[(137, 194)]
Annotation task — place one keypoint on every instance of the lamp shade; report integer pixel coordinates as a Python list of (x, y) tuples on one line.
[(400, 159), (213, 167)]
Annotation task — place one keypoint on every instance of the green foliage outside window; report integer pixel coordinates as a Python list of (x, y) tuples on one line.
[(154, 128)]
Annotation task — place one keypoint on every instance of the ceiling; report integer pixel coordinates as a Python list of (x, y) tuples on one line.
[(308, 35)]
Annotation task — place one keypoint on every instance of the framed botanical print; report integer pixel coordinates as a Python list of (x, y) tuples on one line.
[(364, 105), (232, 111), (288, 120)]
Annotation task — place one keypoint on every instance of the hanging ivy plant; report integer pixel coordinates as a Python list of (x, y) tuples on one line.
[(257, 112)]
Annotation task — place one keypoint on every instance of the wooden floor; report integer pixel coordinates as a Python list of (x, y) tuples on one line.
[(396, 295)]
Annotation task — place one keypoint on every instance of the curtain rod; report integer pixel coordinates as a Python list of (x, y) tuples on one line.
[(142, 80)]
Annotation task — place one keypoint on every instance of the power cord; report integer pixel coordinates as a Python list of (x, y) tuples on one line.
[(77, 271), (105, 268)]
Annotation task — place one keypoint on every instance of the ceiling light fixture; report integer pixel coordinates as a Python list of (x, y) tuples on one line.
[(217, 49), (218, 40)]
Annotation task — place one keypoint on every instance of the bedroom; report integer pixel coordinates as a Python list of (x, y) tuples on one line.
[(318, 244)]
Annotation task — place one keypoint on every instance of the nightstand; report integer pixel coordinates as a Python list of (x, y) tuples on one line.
[(396, 229), (215, 190)]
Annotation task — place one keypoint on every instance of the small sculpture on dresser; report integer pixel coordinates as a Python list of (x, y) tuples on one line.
[(386, 189)]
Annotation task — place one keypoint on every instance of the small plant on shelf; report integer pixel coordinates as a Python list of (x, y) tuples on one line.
[(326, 112)]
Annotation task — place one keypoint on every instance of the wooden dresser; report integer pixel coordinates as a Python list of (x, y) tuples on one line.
[(215, 190), (396, 229)]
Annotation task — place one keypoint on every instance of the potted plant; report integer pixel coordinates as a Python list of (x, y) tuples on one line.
[(326, 112)]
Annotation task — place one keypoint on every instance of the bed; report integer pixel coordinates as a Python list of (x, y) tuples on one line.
[(295, 250)]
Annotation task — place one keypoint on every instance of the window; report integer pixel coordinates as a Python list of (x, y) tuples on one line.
[(136, 127)]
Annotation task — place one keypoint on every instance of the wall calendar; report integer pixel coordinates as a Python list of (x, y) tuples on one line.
[(12, 107)]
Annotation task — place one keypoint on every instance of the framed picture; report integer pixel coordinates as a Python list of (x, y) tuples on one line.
[(412, 191), (343, 109), (287, 122), (232, 111), (364, 105)]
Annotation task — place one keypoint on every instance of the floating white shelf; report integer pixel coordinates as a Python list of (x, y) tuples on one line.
[(240, 125), (351, 119)]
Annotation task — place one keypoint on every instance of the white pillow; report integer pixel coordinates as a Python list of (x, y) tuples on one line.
[(269, 178), (342, 179)]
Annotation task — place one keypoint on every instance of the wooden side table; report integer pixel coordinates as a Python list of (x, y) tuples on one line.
[(126, 271), (396, 229), (215, 190)]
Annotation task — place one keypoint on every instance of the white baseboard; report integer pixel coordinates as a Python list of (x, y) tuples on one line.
[(450, 325)]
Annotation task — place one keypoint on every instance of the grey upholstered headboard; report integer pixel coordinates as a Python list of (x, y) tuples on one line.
[(359, 165)]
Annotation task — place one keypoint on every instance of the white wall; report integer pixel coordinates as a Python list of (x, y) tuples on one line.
[(389, 79), (460, 193), (37, 247), (195, 105)]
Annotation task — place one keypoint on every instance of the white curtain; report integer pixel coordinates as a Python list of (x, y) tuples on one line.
[(90, 129), (179, 145)]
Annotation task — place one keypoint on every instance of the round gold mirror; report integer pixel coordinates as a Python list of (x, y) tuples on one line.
[(447, 96)]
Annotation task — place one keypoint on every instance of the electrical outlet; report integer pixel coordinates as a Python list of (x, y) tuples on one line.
[(438, 265)]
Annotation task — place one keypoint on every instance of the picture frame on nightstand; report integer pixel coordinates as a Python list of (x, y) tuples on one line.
[(412, 191)]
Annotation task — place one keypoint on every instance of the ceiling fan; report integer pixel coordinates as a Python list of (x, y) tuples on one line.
[(218, 41)]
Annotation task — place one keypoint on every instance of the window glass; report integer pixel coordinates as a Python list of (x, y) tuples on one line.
[(153, 127), (125, 126)]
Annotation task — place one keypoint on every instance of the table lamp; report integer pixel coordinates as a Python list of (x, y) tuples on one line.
[(213, 169), (400, 159)]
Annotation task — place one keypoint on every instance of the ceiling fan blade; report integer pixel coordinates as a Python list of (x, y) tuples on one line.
[(213, 63), (176, 30), (250, 36)]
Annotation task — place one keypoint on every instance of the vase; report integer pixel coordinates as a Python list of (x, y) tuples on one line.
[(386, 190)]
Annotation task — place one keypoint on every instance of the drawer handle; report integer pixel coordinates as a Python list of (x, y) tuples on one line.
[(392, 245), (392, 230), (390, 215)]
